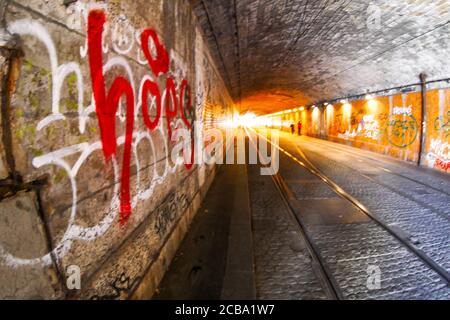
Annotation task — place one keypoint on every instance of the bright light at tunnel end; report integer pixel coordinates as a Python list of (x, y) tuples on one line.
[(248, 119)]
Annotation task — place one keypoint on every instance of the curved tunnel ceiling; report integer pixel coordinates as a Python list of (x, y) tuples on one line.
[(275, 54)]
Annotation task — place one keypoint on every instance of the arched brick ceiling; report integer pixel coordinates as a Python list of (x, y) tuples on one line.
[(275, 54)]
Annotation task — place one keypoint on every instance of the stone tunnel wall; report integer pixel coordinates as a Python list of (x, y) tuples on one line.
[(387, 124), (64, 153)]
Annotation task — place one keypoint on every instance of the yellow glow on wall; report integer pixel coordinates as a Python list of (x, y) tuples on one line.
[(315, 114), (347, 110), (347, 114), (329, 115), (373, 106)]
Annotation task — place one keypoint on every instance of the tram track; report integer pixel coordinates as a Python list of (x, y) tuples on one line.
[(323, 274), (401, 238), (423, 204), (375, 161), (328, 282)]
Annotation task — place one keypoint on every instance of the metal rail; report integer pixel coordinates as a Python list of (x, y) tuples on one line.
[(443, 214), (338, 190), (328, 283), (326, 145)]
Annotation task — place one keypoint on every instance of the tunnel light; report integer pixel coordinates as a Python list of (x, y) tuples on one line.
[(229, 123), (325, 104), (344, 101), (295, 110), (302, 108), (261, 121), (347, 109), (313, 106), (248, 119), (369, 97)]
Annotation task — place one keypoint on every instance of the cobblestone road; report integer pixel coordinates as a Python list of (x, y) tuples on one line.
[(283, 268), (400, 197), (414, 202)]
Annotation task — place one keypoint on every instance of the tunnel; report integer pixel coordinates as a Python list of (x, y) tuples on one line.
[(256, 150)]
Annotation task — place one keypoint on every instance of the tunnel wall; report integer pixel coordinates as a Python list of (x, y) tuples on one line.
[(389, 125), (437, 143), (63, 153)]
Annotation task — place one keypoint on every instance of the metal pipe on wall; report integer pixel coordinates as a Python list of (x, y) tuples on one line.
[(423, 127)]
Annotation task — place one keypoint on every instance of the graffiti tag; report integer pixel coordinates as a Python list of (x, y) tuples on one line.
[(402, 130), (439, 155), (173, 100), (442, 124)]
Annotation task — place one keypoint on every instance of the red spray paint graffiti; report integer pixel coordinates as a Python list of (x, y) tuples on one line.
[(107, 102), (443, 165), (185, 105)]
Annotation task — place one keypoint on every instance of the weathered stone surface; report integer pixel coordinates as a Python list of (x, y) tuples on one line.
[(278, 54), (283, 266), (418, 207), (3, 171), (129, 266), (352, 246), (3, 71), (81, 189), (22, 236)]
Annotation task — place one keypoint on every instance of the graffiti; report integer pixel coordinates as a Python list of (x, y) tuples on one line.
[(402, 110), (123, 34), (354, 117), (347, 135), (402, 130), (369, 127), (442, 124), (107, 103), (121, 287), (174, 100), (338, 125), (167, 213), (439, 155), (382, 117), (443, 165), (389, 125)]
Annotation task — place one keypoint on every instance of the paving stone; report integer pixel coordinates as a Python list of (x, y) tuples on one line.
[(429, 225), (349, 249), (283, 267)]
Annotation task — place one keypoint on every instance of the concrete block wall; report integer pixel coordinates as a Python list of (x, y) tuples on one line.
[(60, 197)]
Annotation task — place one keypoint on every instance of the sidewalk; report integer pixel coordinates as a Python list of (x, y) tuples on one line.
[(215, 260)]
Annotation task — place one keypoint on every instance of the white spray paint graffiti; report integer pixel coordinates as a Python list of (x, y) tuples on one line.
[(402, 110), (123, 40), (369, 127)]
